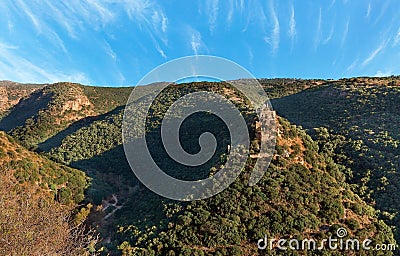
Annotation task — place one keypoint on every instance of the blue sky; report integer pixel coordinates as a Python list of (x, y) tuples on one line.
[(116, 42)]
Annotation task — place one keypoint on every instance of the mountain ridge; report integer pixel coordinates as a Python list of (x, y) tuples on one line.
[(80, 126)]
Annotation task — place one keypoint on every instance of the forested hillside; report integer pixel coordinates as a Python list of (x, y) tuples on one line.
[(37, 201), (304, 193), (36, 114), (357, 122)]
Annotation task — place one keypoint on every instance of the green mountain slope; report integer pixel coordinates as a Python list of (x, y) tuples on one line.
[(37, 197), (56, 108), (34, 114), (360, 120), (303, 194)]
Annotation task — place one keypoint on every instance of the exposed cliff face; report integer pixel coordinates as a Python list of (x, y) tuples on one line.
[(69, 103), (76, 104), (46, 112)]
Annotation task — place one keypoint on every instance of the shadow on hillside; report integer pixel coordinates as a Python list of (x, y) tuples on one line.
[(367, 119), (110, 171), (26, 108), (57, 139), (112, 175)]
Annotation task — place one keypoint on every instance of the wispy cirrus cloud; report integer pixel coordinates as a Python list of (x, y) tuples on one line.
[(160, 51), (345, 32), (380, 73), (212, 10), (352, 65), (231, 11), (195, 41), (274, 37), (292, 24), (4, 46), (63, 19), (384, 5), (61, 25), (17, 68), (276, 28), (159, 28), (40, 27), (318, 33), (35, 21), (151, 18), (76, 17), (251, 55), (236, 7), (374, 53), (159, 21), (109, 51), (329, 37), (254, 13), (369, 9)]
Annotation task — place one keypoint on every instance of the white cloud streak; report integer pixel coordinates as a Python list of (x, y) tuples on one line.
[(109, 51), (164, 24), (345, 32), (317, 38), (78, 16), (374, 53), (195, 40), (212, 10), (251, 55), (229, 17), (292, 24), (160, 51), (17, 68), (275, 29), (369, 9), (380, 73), (241, 4), (384, 5), (159, 22), (352, 65), (236, 7), (38, 24), (22, 6), (329, 37)]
